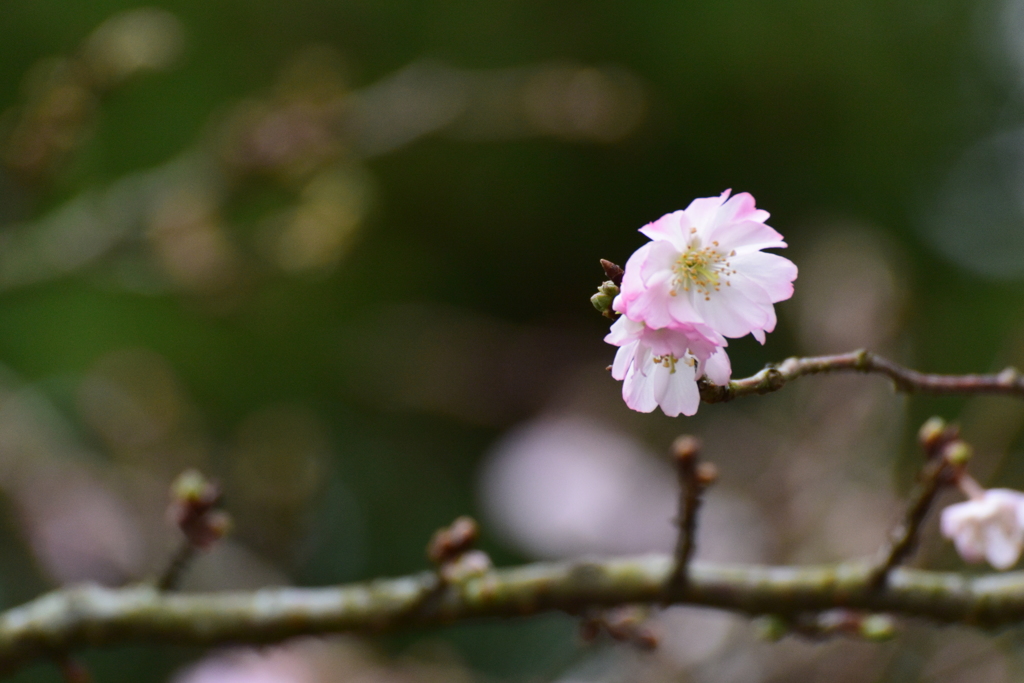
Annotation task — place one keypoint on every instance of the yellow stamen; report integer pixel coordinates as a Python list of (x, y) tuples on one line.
[(668, 361), (701, 268)]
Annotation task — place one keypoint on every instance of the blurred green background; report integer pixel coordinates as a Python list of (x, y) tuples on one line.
[(338, 255)]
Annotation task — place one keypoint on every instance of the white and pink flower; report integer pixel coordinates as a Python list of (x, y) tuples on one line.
[(705, 264), (990, 527), (702, 277), (661, 367)]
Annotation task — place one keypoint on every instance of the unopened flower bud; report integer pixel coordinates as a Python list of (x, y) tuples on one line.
[(212, 527), (612, 271), (686, 448), (935, 434), (450, 542), (602, 301), (194, 500), (877, 627), (219, 523), (707, 474), (930, 435), (192, 487), (957, 453)]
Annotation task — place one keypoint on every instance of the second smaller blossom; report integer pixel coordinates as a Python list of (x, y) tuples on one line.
[(660, 367)]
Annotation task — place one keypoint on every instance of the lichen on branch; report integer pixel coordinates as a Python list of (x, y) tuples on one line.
[(94, 616)]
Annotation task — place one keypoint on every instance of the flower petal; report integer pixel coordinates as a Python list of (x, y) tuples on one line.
[(624, 360), (672, 227), (717, 368), (735, 310), (647, 284), (745, 236), (741, 207), (988, 527), (703, 212), (699, 340), (682, 311), (637, 387), (774, 273), (632, 283), (649, 306), (676, 392), (1002, 549), (623, 331), (959, 524), (661, 256)]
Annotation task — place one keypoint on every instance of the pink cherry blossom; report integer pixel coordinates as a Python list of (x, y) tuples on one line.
[(987, 527), (705, 265), (660, 367)]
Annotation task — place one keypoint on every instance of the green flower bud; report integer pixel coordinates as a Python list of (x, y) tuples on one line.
[(932, 433), (602, 301), (958, 453), (878, 628)]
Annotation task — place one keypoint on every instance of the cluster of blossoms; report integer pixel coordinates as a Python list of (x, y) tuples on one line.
[(703, 277)]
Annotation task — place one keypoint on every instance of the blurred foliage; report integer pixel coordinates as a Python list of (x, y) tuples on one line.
[(330, 251)]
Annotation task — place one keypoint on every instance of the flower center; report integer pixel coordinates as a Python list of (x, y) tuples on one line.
[(669, 361), (702, 269)]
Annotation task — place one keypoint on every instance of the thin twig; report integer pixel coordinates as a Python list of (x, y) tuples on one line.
[(903, 538), (692, 482), (171, 577), (946, 455), (1008, 382)]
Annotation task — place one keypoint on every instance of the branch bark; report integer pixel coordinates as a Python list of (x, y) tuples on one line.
[(86, 616), (774, 377), (75, 617)]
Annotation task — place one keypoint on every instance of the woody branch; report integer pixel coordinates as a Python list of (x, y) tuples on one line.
[(1009, 382), (465, 586), (94, 616)]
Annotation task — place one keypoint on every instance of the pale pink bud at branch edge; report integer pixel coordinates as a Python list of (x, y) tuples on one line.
[(988, 527)]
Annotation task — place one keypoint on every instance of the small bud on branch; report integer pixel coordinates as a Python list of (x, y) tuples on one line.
[(613, 272), (626, 624), (450, 542), (193, 509), (451, 549)]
